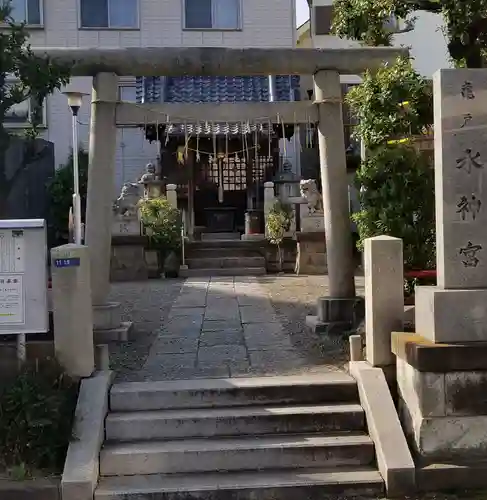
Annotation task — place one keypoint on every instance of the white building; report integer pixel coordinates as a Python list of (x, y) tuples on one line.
[(143, 23), (426, 41)]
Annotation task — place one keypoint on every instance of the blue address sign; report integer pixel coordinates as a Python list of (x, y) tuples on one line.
[(69, 262)]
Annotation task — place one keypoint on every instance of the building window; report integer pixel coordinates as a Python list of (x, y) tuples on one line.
[(212, 14), (323, 17), (27, 11), (109, 14)]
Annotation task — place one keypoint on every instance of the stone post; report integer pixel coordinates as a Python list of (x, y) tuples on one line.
[(172, 195), (384, 297), (101, 173), (72, 309), (341, 308), (454, 311)]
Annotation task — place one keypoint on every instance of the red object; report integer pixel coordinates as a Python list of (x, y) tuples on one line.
[(425, 273)]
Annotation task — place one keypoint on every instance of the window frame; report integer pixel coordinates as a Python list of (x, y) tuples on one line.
[(27, 124), (109, 28), (239, 23), (33, 25)]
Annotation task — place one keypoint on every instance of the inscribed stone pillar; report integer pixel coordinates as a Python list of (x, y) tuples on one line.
[(341, 309), (384, 297), (456, 309), (101, 172), (72, 310)]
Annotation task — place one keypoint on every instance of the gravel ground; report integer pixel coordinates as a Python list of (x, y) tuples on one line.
[(294, 297), (147, 304)]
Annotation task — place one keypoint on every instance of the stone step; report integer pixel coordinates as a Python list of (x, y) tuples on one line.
[(235, 454), (211, 253), (309, 484), (334, 387), (236, 271), (220, 236), (217, 262), (236, 421), (217, 244)]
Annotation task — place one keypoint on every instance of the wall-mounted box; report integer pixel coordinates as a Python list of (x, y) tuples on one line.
[(23, 277)]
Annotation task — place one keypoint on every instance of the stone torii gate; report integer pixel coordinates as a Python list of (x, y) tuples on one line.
[(106, 65)]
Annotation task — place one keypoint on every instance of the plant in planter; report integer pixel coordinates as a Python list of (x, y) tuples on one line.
[(162, 223), (278, 222)]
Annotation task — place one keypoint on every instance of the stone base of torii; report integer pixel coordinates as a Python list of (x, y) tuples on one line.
[(106, 65)]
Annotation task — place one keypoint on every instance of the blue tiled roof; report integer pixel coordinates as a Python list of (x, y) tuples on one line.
[(195, 89)]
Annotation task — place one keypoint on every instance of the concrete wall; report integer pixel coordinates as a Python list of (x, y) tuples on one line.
[(264, 24)]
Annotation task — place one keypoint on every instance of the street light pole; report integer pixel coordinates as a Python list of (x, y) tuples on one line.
[(74, 101)]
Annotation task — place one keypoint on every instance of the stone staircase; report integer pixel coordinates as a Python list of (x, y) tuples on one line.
[(225, 257), (271, 438)]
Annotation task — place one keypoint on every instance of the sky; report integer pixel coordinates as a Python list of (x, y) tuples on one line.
[(302, 11)]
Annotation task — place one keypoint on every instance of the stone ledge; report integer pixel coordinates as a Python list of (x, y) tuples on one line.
[(81, 469), (426, 356), (394, 459), (138, 240), (311, 236), (35, 489)]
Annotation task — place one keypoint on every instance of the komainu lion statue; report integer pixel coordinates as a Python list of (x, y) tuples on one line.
[(126, 203), (310, 193)]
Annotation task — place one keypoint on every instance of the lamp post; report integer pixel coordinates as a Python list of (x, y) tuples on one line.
[(75, 99)]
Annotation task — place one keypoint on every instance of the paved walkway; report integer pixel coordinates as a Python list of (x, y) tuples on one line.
[(221, 327)]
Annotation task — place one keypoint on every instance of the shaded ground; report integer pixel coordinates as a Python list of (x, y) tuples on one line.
[(148, 305)]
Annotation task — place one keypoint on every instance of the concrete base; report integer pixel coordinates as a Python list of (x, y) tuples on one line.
[(451, 315), (122, 333), (336, 315), (443, 410), (108, 325), (128, 263), (107, 316), (311, 253)]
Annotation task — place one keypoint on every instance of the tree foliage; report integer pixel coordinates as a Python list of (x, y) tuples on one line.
[(465, 23), (396, 185), (394, 102), (60, 192), (23, 76), (396, 181)]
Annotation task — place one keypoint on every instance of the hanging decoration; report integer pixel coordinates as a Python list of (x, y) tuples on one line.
[(198, 156)]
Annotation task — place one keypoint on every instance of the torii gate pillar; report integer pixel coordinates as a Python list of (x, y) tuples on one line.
[(101, 171), (341, 308)]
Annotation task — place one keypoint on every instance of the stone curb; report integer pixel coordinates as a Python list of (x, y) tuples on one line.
[(394, 459), (81, 469)]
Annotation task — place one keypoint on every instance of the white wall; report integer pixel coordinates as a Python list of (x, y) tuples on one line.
[(426, 41), (269, 23)]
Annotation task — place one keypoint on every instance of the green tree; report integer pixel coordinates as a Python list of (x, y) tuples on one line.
[(23, 76), (465, 24), (396, 181)]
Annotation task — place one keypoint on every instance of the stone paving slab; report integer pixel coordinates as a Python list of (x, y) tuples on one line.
[(219, 328), (216, 326), (221, 337)]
